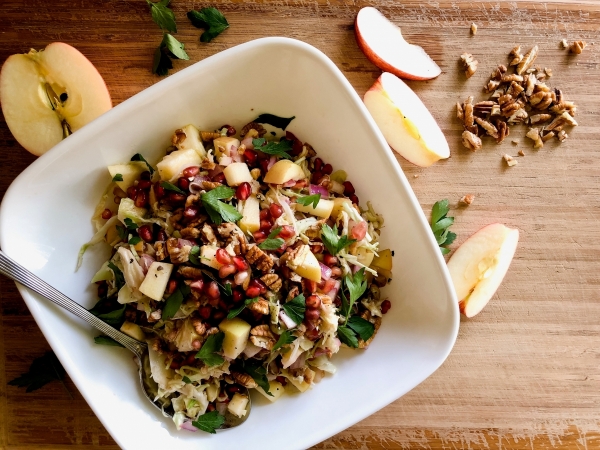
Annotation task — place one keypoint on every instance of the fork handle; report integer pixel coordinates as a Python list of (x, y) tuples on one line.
[(20, 274)]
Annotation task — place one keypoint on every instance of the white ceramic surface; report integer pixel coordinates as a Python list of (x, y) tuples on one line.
[(45, 217)]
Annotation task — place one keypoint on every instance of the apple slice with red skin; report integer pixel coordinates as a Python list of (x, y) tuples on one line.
[(479, 265), (406, 123), (382, 42), (46, 95)]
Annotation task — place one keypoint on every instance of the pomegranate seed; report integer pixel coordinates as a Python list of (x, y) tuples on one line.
[(243, 191), (223, 305), (232, 389), (385, 306), (336, 272), (102, 289), (144, 184), (171, 286), (258, 284), (281, 380), (300, 185), (219, 178), (132, 192), (312, 335), (329, 260), (250, 157), (213, 290), (240, 263), (117, 200), (312, 315), (348, 188), (252, 292), (316, 176), (197, 285), (219, 315), (275, 210), (141, 199), (240, 278), (260, 236), (118, 192), (309, 286), (190, 171), (327, 169), (145, 175), (145, 233), (210, 407), (264, 164), (238, 295), (159, 191), (359, 231), (329, 285), (161, 235), (183, 183), (223, 257), (205, 312), (318, 164), (226, 270), (175, 197), (354, 199), (106, 214), (230, 130), (287, 232), (190, 212), (265, 214), (265, 225), (313, 302)]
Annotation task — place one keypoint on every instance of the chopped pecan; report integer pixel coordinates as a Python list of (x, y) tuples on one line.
[(530, 84), (515, 89), (471, 141), (519, 116), (483, 108), (161, 251), (498, 72), (467, 199), (487, 126), (208, 235), (199, 327), (562, 135), (190, 233), (516, 55), (473, 29), (534, 135), (460, 115), (521, 153), (244, 379), (491, 86), (547, 136), (577, 47), (253, 126), (260, 259), (189, 273), (503, 130), (539, 118), (212, 330), (208, 185), (468, 110), (207, 136), (469, 64), (178, 137), (226, 229), (192, 200), (292, 293), (262, 330), (272, 281), (564, 106), (263, 342), (207, 164), (564, 43), (178, 254), (511, 77), (527, 60), (175, 218), (510, 161), (261, 307)]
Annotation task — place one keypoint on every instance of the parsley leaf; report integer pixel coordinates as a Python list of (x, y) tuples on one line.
[(139, 157), (218, 210), (209, 422), (174, 301), (276, 121), (272, 243), (356, 285), (171, 187), (440, 225), (119, 278), (284, 339), (307, 200), (226, 289), (162, 15), (162, 63), (332, 241), (362, 327), (207, 352), (107, 340), (273, 148), (186, 380), (347, 336), (168, 48), (211, 20), (130, 224), (237, 311), (122, 232), (112, 318), (295, 308), (194, 255), (42, 371), (258, 373), (134, 240), (118, 177)]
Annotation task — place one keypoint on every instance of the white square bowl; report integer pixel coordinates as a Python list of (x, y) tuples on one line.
[(45, 217)]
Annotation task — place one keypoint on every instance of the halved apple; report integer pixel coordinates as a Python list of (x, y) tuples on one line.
[(382, 42), (479, 265), (46, 95), (283, 171), (405, 121)]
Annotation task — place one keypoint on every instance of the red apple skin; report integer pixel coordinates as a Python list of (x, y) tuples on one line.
[(383, 65)]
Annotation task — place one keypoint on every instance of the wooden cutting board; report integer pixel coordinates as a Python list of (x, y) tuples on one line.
[(524, 373)]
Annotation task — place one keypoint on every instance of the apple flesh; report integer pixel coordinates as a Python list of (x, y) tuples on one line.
[(305, 264), (133, 330), (171, 166), (283, 171), (191, 140), (382, 42), (323, 209), (238, 404), (129, 172), (479, 265), (156, 280), (250, 221), (46, 95), (237, 173), (236, 333), (405, 122), (275, 388)]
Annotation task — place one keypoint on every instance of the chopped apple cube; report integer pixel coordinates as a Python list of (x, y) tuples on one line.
[(208, 256), (283, 171), (156, 280), (236, 336), (364, 256), (338, 206), (237, 173), (129, 172), (323, 209), (305, 264), (238, 405), (275, 388), (192, 140), (225, 146), (133, 330), (172, 165), (250, 222), (384, 259)]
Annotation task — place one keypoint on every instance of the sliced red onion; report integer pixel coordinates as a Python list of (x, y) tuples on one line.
[(236, 157), (299, 363), (145, 262), (333, 293), (320, 352), (289, 323), (272, 161), (183, 242), (325, 271), (248, 143), (225, 160), (197, 285), (216, 171), (355, 268), (195, 185), (290, 183), (316, 189), (187, 425)]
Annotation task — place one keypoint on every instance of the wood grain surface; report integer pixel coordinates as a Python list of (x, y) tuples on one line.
[(525, 373)]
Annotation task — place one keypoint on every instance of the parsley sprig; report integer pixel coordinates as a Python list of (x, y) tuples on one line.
[(354, 326), (272, 242), (174, 301), (208, 351), (168, 48), (237, 311), (209, 422), (219, 211), (307, 200), (284, 339), (440, 225), (163, 16), (42, 371), (258, 373), (118, 177), (139, 157), (273, 148), (211, 19), (333, 242), (295, 308)]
